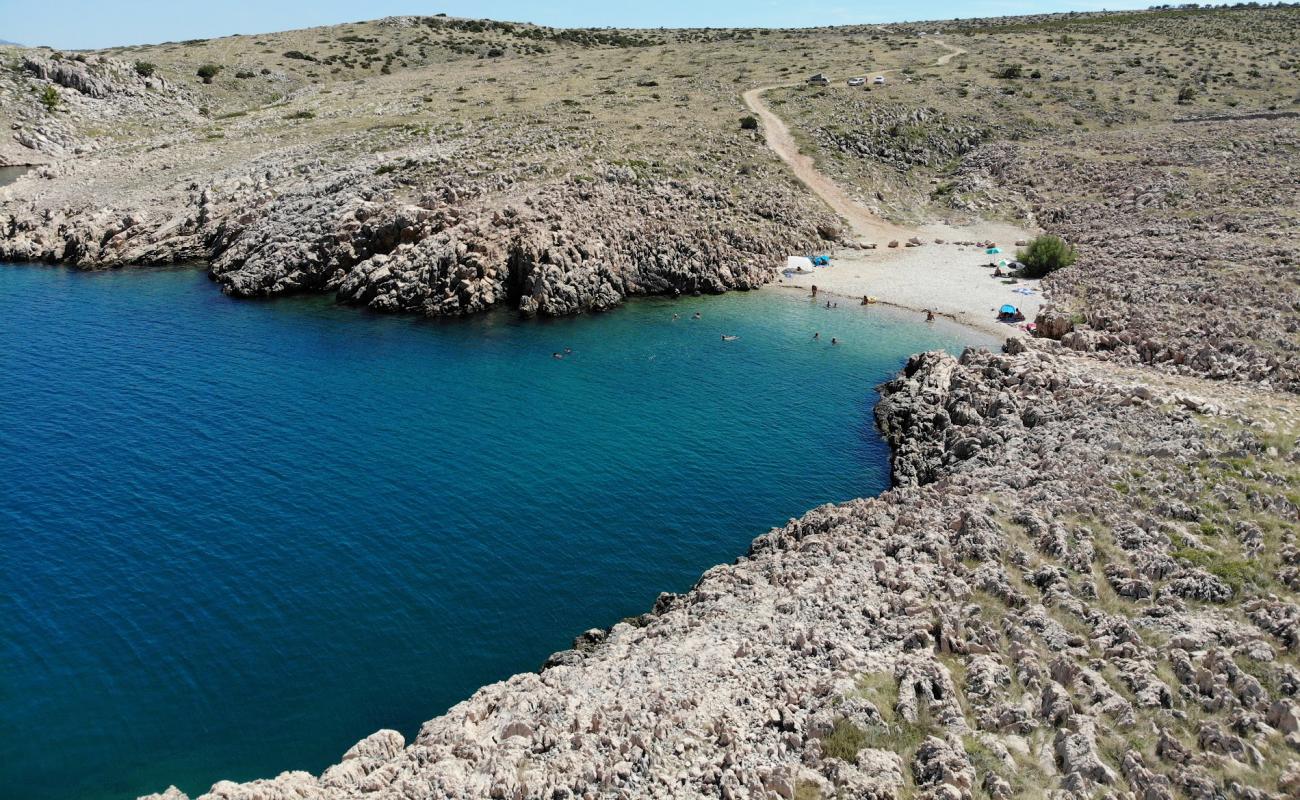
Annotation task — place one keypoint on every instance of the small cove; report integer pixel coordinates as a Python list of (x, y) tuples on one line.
[(240, 536)]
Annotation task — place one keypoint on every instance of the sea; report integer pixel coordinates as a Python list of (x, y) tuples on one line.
[(238, 536)]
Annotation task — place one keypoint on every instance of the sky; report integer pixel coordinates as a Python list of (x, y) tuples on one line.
[(82, 24)]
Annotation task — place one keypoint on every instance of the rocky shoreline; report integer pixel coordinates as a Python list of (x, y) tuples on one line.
[(1026, 608), (1085, 580)]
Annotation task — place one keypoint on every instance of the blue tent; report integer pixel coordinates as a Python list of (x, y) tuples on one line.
[(820, 261), (1007, 309)]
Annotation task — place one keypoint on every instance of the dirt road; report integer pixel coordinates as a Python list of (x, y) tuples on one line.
[(777, 134), (949, 279)]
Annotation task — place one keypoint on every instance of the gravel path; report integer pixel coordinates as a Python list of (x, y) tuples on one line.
[(948, 279)]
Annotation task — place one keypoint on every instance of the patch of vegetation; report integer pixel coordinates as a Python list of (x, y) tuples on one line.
[(844, 741), (1237, 573), (299, 55), (50, 98), (145, 69), (1046, 254), (208, 71), (301, 115), (749, 123)]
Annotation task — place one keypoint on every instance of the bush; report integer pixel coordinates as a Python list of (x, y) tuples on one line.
[(145, 69), (301, 115), (748, 123), (1046, 254), (1186, 95), (50, 98), (1010, 72), (207, 72), (844, 741), (298, 54)]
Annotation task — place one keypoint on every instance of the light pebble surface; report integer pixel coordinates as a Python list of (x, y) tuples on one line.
[(951, 280)]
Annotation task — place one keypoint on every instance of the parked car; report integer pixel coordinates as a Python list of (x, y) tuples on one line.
[(879, 80), (857, 81), (819, 80)]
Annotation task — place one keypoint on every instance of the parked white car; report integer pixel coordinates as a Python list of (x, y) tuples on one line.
[(879, 80), (857, 81)]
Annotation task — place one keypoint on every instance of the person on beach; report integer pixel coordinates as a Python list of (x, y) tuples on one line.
[(929, 315), (814, 288), (865, 301)]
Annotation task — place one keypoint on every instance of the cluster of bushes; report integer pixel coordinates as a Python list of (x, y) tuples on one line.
[(299, 55), (1046, 254), (208, 71), (748, 123), (145, 69)]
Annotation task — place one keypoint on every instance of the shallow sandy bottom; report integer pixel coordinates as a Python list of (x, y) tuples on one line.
[(955, 281)]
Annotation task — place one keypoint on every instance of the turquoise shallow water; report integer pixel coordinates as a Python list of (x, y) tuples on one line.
[(236, 537)]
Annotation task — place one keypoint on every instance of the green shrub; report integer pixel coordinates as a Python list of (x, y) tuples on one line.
[(1046, 254), (1010, 72), (844, 741), (299, 55), (1186, 95), (301, 115), (207, 72), (145, 69), (748, 123), (50, 98)]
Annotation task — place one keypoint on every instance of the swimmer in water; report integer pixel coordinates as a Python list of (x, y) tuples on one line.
[(727, 338), (568, 350), (556, 355), (834, 340), (677, 316), (697, 315), (816, 336)]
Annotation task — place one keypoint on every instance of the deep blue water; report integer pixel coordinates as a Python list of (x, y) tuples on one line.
[(236, 537)]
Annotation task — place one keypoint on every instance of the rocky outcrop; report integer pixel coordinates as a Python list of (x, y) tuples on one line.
[(1188, 248), (563, 249)]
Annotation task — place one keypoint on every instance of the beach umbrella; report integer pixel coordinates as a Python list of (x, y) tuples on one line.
[(993, 251), (1007, 309)]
